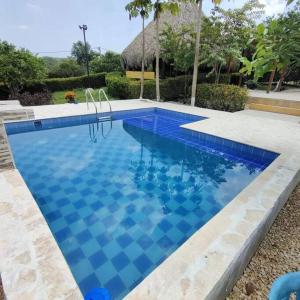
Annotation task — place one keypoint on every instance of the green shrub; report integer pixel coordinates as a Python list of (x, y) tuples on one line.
[(134, 89), (221, 97), (117, 86), (176, 88), (60, 84)]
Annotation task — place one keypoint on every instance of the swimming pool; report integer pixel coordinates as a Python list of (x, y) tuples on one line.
[(121, 200)]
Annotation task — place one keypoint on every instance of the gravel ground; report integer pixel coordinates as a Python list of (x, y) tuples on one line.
[(278, 254)]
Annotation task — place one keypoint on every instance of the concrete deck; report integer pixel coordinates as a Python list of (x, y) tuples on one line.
[(292, 94), (208, 264)]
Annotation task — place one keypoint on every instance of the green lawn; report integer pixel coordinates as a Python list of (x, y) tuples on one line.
[(59, 97)]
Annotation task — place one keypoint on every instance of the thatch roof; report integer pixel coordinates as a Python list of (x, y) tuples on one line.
[(132, 55)]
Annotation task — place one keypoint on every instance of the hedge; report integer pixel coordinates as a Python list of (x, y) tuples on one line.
[(61, 84), (221, 97)]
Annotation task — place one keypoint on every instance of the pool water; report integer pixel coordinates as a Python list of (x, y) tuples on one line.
[(121, 200)]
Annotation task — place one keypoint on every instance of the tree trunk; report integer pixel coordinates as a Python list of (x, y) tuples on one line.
[(229, 66), (143, 60), (240, 79), (197, 50), (219, 72), (157, 60), (280, 81), (271, 80)]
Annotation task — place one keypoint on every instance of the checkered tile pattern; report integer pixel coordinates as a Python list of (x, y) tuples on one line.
[(118, 206)]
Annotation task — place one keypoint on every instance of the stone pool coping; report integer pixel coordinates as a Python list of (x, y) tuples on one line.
[(205, 267)]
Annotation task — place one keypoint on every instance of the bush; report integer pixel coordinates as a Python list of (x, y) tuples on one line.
[(134, 89), (28, 99), (176, 88), (117, 86), (221, 97), (60, 84)]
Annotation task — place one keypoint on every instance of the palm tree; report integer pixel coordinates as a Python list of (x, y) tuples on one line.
[(159, 8), (197, 48), (142, 8)]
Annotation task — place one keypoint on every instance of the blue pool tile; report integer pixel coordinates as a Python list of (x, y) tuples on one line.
[(98, 259), (79, 204), (103, 239), (86, 192), (84, 236), (73, 217), (109, 221), (120, 261), (63, 234), (124, 240), (51, 217), (127, 223), (143, 263), (115, 286), (184, 226), (117, 195), (91, 219), (165, 243), (96, 205), (145, 241), (75, 256), (165, 225), (181, 211), (89, 283)]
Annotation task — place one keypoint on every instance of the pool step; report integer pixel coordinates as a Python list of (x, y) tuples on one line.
[(104, 119), (288, 107)]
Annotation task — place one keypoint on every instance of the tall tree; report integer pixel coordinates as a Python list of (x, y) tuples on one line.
[(78, 52), (108, 62), (159, 7), (277, 47), (140, 8), (17, 67), (197, 48)]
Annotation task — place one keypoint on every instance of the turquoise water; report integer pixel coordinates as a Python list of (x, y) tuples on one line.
[(120, 202)]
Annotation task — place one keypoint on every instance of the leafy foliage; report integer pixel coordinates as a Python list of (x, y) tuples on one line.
[(109, 62), (225, 35), (17, 67), (60, 84), (139, 8), (177, 47), (277, 46), (66, 68), (78, 52), (221, 97)]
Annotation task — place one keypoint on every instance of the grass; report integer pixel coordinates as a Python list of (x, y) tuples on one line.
[(59, 97)]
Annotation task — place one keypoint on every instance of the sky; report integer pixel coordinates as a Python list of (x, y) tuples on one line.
[(49, 27)]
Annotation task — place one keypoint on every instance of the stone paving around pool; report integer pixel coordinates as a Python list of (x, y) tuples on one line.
[(225, 244)]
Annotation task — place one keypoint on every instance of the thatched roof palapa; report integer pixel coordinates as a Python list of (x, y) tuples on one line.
[(132, 55)]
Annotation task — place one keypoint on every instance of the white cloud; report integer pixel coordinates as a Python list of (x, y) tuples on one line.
[(33, 6), (273, 7), (23, 27)]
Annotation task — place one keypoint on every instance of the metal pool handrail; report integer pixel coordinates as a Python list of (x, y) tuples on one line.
[(88, 97), (102, 92)]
